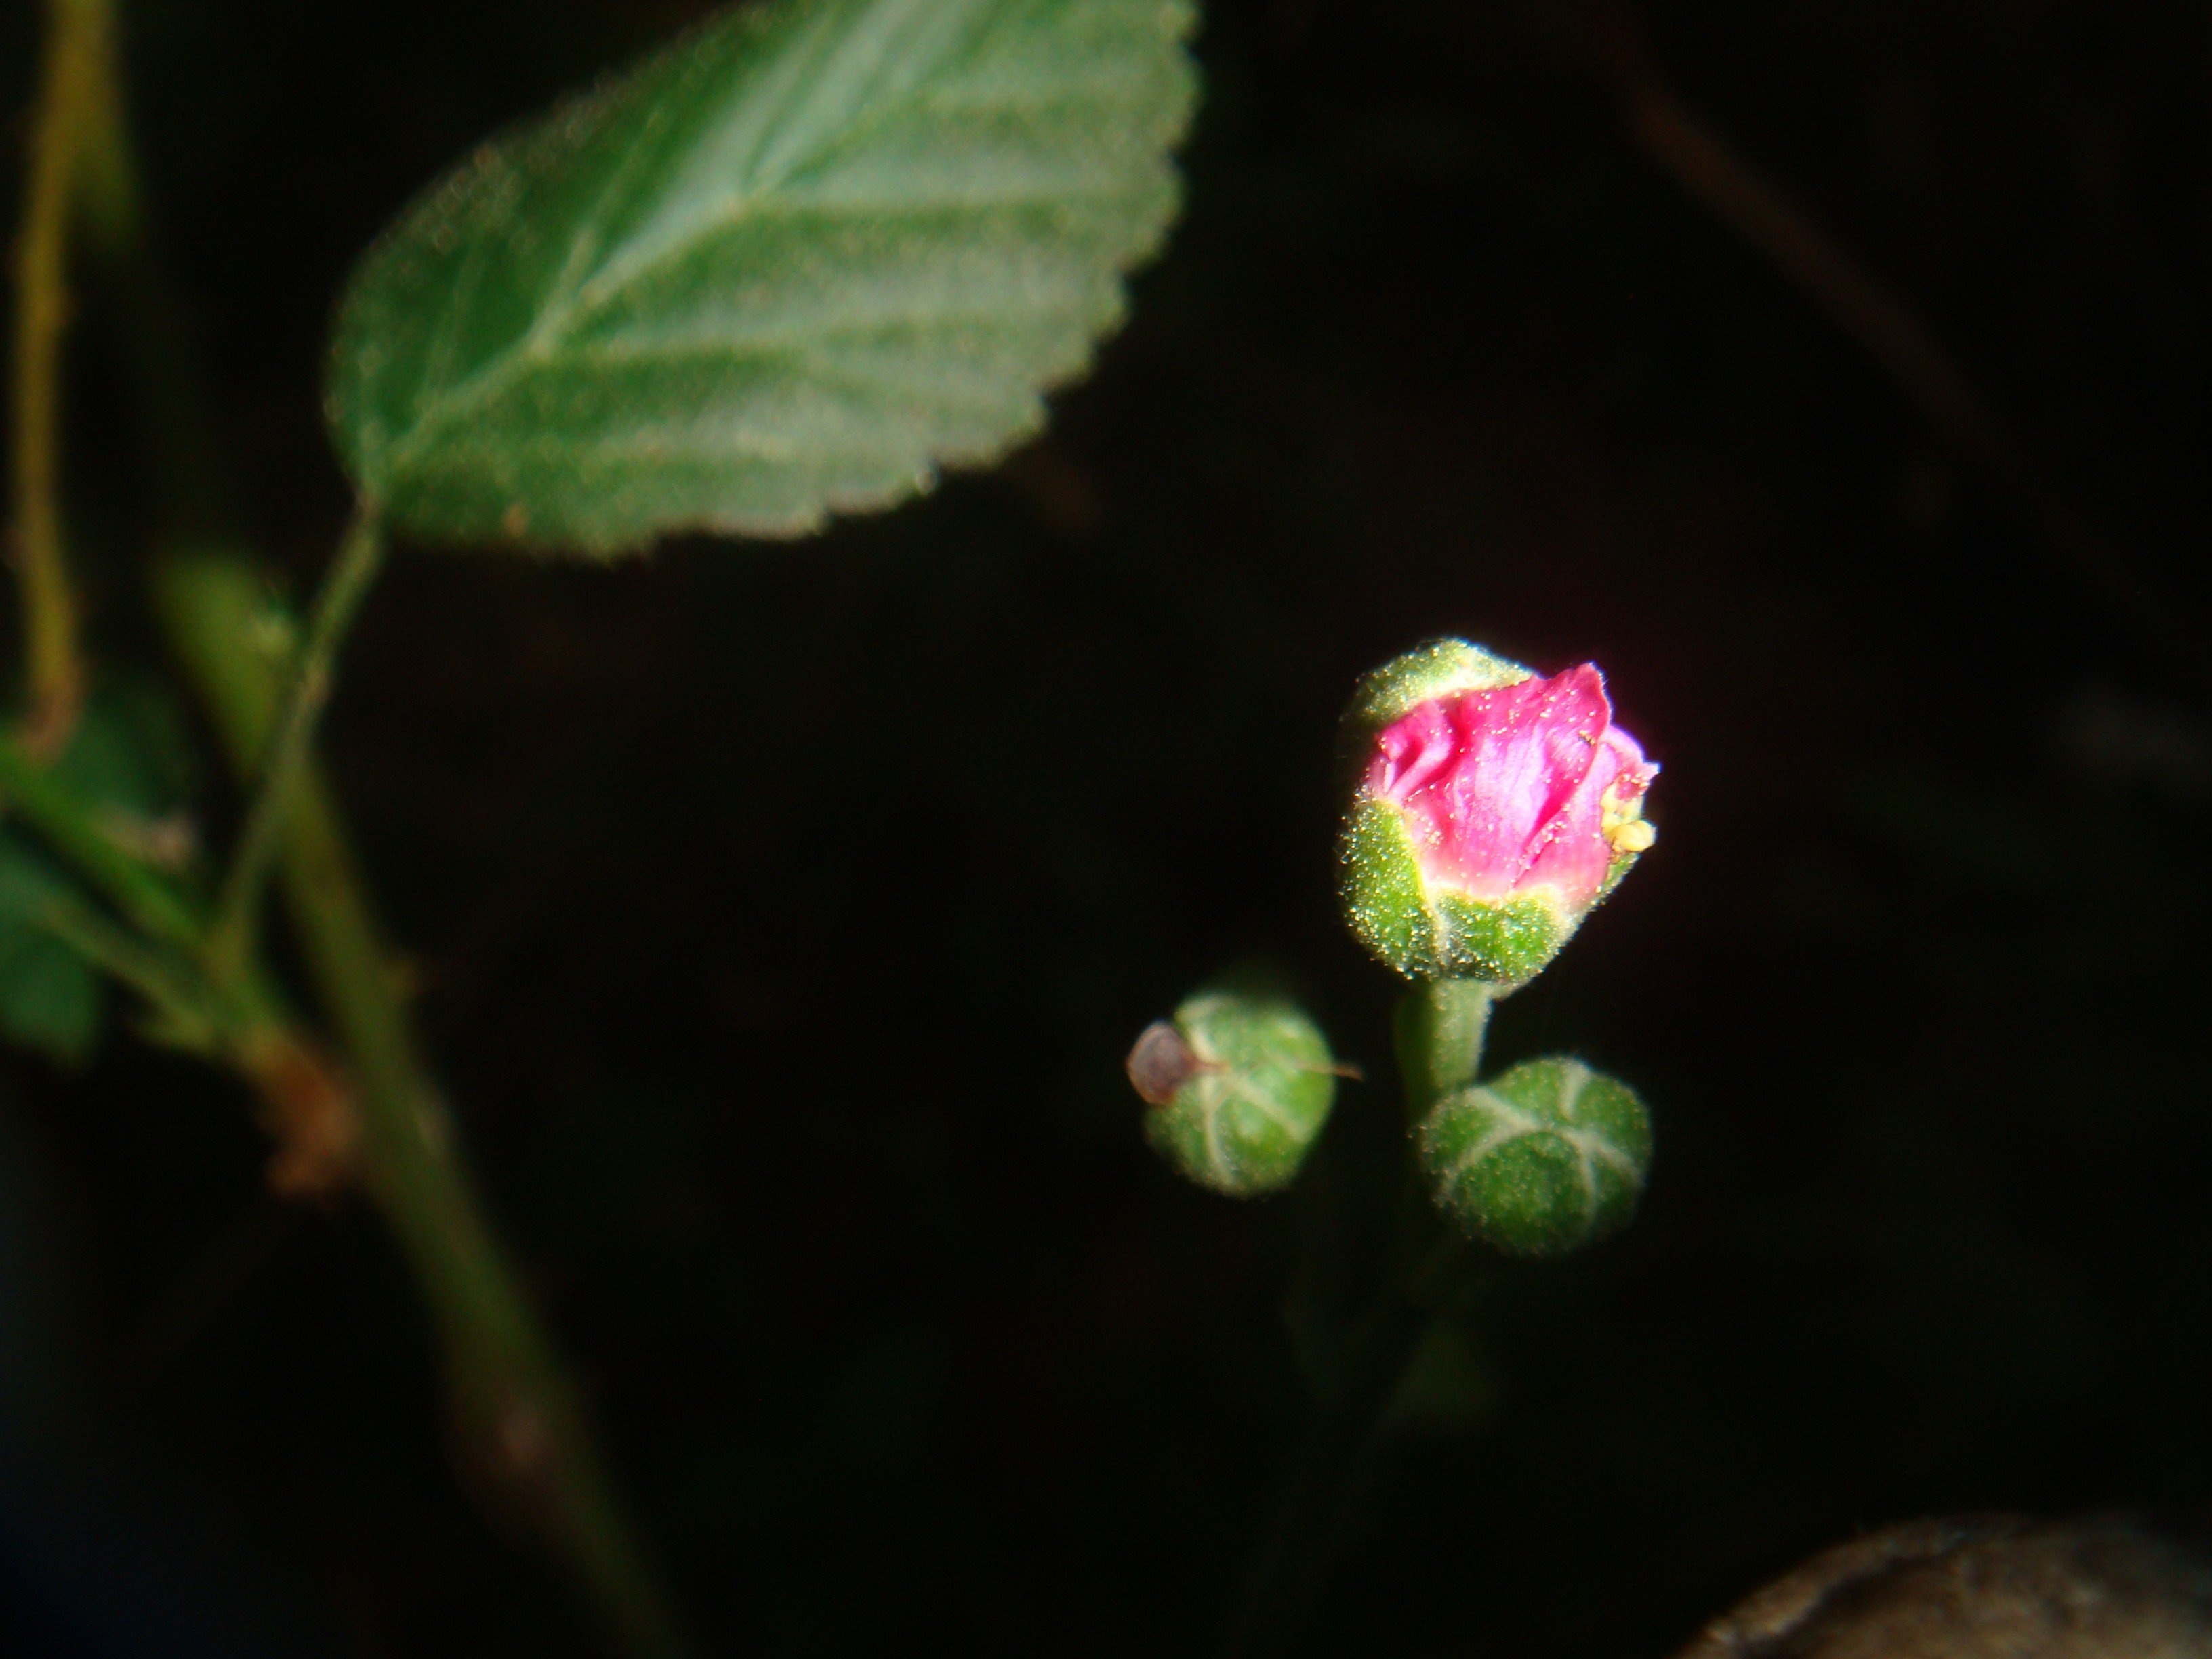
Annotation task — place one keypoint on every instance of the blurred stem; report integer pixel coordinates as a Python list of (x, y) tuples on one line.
[(243, 1023), (1675, 137), (189, 490), (1440, 1026), (517, 1410), (73, 828), (1328, 1471), (79, 45), (361, 556), (167, 983)]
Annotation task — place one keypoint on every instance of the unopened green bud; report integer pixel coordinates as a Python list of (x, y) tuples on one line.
[(1240, 1083), (1549, 1158)]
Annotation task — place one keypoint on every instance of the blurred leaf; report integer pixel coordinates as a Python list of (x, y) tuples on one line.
[(50, 997), (789, 266), (131, 756), (131, 751)]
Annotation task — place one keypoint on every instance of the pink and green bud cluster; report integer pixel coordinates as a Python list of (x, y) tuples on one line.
[(1239, 1084), (1491, 809), (1541, 1161)]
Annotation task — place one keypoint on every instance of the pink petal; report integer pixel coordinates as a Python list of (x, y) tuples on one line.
[(1503, 788)]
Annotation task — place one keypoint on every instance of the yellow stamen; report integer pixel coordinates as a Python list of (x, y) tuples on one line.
[(1631, 835)]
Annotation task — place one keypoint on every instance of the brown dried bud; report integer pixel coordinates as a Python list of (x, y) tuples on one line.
[(1160, 1063)]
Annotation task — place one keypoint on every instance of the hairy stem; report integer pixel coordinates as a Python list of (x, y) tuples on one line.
[(290, 740), (516, 1411), (1440, 1025), (79, 44)]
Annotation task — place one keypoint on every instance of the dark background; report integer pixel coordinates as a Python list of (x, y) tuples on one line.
[(784, 1007)]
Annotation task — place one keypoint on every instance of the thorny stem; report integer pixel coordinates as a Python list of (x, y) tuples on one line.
[(79, 44), (361, 554)]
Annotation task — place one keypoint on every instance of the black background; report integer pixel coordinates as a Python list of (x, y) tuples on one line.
[(781, 914)]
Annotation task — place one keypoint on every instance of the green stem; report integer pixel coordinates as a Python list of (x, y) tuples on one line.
[(1440, 1025), (515, 1409), (79, 43), (512, 1403), (73, 828), (189, 1018), (190, 491), (361, 556), (1328, 1469)]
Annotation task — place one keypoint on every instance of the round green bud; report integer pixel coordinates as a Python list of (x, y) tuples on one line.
[(1550, 1156), (1240, 1083)]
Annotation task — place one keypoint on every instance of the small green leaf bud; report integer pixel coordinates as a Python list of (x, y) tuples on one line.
[(1549, 1158), (1240, 1083)]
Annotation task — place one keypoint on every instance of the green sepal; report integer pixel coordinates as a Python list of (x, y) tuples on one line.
[(1441, 667), (1547, 1159), (1434, 932), (1615, 872), (1259, 1085)]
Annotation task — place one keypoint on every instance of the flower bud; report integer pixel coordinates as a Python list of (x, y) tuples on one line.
[(1491, 809), (1547, 1159), (1240, 1083)]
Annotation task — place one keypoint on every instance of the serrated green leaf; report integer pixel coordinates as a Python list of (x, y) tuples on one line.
[(790, 265)]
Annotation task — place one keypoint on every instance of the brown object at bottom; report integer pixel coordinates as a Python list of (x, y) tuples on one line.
[(1981, 1586)]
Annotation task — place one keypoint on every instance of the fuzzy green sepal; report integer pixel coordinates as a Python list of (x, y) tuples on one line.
[(1437, 669), (1435, 932), (1549, 1158), (1262, 1083), (1621, 864)]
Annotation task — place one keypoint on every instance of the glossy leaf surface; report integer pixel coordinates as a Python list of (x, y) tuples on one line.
[(789, 266)]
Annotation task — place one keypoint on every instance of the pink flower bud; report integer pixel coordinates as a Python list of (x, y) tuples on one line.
[(1488, 819)]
